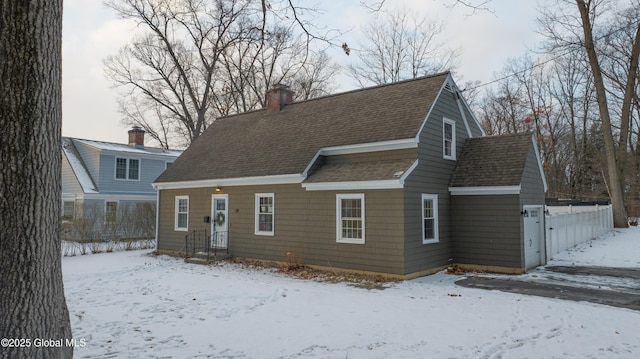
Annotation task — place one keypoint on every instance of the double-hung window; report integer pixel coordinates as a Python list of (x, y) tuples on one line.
[(264, 214), (127, 169), (350, 218), (429, 218), (182, 213), (448, 139), (111, 212)]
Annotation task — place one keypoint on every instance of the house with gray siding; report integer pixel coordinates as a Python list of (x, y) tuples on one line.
[(363, 180), (99, 179)]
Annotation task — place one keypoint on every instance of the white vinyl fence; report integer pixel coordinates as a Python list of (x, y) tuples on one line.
[(568, 226)]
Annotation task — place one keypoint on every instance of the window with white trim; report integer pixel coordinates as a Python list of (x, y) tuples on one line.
[(264, 214), (429, 218), (448, 139), (182, 213), (111, 212), (350, 218), (127, 169)]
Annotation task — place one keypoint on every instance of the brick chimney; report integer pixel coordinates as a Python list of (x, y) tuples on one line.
[(278, 97), (136, 137)]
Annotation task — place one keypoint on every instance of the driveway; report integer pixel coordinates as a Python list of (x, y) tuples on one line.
[(618, 287)]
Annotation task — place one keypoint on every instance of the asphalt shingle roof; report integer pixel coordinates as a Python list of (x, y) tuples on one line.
[(492, 161), (258, 143), (361, 171)]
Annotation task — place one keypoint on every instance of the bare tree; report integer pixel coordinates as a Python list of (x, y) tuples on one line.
[(398, 46), (32, 303), (567, 27), (198, 60), (169, 71)]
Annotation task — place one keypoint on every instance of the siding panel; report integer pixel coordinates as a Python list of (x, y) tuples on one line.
[(432, 176), (304, 224)]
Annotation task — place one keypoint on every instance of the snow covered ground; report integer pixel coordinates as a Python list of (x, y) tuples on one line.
[(135, 305)]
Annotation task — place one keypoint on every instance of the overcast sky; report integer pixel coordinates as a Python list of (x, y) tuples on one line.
[(91, 32)]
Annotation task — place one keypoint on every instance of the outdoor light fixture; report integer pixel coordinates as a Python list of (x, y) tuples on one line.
[(525, 213), (218, 189)]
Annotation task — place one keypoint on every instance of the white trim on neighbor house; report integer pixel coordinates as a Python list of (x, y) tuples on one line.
[(452, 123), (436, 234), (484, 190), (362, 148), (127, 168), (537, 153), (257, 213), (240, 181), (176, 226), (339, 238)]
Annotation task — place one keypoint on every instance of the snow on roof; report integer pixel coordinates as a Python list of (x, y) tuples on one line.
[(120, 147), (78, 167)]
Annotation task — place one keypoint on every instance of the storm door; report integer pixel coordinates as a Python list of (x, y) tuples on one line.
[(219, 220)]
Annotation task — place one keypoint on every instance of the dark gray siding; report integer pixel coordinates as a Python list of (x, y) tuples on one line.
[(431, 176), (305, 225), (532, 182), (487, 230)]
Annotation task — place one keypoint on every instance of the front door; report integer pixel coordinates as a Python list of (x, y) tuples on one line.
[(219, 222), (533, 238)]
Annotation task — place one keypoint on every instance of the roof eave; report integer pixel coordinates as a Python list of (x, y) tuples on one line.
[(241, 181), (485, 190)]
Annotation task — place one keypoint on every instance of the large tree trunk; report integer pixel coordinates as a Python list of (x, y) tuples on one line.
[(617, 199), (32, 303)]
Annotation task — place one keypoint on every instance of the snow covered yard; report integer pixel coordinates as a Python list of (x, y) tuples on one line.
[(135, 305)]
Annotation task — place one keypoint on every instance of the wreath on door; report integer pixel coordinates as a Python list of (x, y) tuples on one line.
[(220, 219)]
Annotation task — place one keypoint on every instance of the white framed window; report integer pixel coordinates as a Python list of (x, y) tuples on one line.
[(265, 203), (448, 139), (111, 211), (429, 218), (350, 218), (182, 213), (127, 169)]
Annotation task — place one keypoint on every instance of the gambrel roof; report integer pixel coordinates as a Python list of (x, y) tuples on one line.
[(286, 142)]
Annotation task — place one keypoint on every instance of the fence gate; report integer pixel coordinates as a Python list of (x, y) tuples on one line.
[(534, 254)]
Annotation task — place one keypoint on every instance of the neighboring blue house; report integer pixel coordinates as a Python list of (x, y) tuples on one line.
[(100, 179)]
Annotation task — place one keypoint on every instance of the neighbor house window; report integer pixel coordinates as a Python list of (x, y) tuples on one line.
[(111, 212), (264, 213), (448, 139), (127, 169), (350, 218), (429, 218), (182, 213), (69, 209)]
